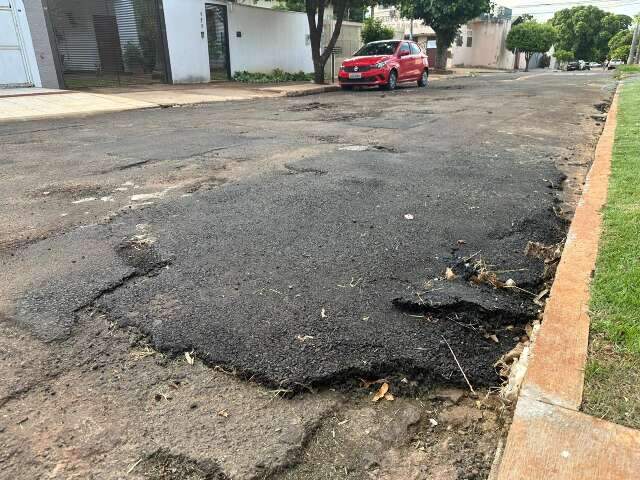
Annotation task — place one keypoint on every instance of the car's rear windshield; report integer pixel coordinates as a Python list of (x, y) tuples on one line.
[(378, 48)]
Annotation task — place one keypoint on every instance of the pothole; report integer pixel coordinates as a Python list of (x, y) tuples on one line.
[(369, 148), (307, 107)]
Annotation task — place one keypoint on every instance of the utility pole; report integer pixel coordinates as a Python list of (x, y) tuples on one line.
[(633, 54)]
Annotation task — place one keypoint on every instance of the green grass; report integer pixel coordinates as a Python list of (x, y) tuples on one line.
[(612, 388), (626, 70)]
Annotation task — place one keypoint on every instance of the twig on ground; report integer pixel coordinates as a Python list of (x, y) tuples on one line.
[(133, 466), (459, 366)]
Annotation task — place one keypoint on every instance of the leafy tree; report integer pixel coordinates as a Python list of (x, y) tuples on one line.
[(563, 56), (531, 37), (620, 45), (289, 5), (373, 29), (445, 17), (586, 31)]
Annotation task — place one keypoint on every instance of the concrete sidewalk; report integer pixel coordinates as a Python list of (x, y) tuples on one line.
[(22, 104)]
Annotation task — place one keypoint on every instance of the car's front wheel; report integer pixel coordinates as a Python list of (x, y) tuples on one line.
[(424, 79), (392, 83)]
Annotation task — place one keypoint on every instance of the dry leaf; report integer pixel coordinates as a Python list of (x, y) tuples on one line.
[(384, 388), (189, 357), (389, 397), (367, 383), (448, 274), (223, 413), (433, 422), (323, 313), (494, 338)]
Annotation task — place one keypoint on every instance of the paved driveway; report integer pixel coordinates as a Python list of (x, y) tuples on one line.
[(304, 241)]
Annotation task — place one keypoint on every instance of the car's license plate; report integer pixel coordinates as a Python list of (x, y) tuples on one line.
[(355, 75)]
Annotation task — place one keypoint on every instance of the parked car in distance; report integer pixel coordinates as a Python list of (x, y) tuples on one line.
[(594, 65), (573, 66), (614, 63), (385, 64)]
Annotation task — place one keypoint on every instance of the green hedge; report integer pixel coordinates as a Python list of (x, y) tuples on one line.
[(276, 76)]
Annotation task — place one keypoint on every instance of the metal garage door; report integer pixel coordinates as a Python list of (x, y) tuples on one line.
[(14, 70), (109, 42)]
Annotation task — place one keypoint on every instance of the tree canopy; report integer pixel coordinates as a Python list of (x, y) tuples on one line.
[(563, 55), (531, 37), (373, 29), (586, 31), (620, 45), (445, 17)]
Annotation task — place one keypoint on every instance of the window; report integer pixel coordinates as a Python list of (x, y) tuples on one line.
[(377, 48), (459, 40), (405, 48), (415, 49), (469, 38)]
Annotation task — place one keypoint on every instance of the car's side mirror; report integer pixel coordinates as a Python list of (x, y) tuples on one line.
[(403, 53)]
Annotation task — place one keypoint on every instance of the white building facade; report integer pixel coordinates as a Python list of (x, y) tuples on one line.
[(89, 43)]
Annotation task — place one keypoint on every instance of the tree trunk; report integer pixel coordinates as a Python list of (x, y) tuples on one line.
[(516, 61), (318, 73), (527, 57), (315, 18), (634, 45), (442, 47)]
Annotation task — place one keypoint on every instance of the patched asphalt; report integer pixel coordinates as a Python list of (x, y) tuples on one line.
[(329, 267)]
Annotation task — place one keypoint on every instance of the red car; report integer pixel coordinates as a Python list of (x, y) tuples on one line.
[(385, 64)]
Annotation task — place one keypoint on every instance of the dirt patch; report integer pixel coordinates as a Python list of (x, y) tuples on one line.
[(308, 107), (429, 437), (73, 191), (162, 465)]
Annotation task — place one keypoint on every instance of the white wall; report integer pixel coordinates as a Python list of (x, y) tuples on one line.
[(270, 39), (488, 48), (187, 40), (18, 64)]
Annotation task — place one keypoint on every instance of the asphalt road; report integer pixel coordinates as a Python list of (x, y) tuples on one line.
[(302, 242)]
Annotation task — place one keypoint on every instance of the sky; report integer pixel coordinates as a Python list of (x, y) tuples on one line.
[(543, 9)]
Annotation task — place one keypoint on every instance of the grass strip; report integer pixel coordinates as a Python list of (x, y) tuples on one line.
[(612, 386)]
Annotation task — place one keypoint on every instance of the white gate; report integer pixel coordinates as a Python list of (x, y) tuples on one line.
[(14, 69)]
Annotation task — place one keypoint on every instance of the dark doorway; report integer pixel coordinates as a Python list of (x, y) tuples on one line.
[(108, 42), (218, 39)]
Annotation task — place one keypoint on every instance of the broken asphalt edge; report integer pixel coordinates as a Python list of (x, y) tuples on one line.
[(550, 438)]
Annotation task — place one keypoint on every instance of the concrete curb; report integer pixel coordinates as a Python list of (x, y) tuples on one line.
[(549, 438), (302, 92)]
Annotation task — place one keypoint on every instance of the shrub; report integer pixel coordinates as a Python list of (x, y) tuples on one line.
[(276, 76), (373, 30)]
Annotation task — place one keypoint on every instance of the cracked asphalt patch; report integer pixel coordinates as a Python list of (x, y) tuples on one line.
[(262, 262)]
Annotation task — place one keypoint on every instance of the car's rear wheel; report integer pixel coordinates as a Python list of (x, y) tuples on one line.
[(392, 83), (424, 79)]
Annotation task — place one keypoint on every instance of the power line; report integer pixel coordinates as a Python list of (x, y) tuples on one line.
[(616, 5), (554, 4)]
